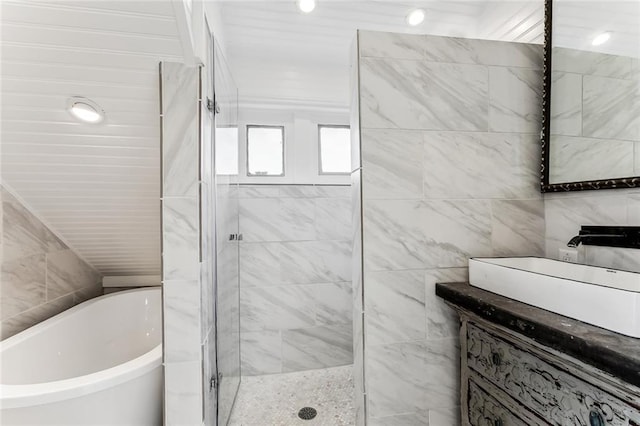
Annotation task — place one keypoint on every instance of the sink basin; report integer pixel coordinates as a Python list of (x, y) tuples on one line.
[(607, 298)]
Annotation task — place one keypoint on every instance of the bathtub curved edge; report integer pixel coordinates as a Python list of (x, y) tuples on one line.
[(17, 396)]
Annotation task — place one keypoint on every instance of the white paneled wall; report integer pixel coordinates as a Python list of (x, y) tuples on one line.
[(96, 185)]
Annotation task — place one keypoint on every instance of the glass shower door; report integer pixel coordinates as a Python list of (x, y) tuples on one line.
[(227, 229)]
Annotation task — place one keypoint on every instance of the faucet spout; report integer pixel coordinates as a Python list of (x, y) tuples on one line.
[(575, 241)]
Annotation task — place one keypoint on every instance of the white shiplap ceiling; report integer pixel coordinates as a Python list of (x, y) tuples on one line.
[(279, 54), (97, 186)]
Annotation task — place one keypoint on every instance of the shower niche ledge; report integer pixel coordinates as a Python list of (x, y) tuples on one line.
[(607, 298)]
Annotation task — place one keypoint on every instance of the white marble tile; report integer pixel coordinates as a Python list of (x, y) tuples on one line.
[(261, 352), (33, 316), (258, 191), (393, 237), (392, 164), (277, 308), (420, 418), (449, 49), (518, 227), (395, 379), (179, 129), (509, 54), (442, 373), (299, 191), (566, 104), (394, 306), (23, 233), (564, 216), (333, 303), (67, 273), (181, 310), (317, 347), (277, 219), (444, 417), (442, 321), (183, 398), (515, 99), (22, 285), (455, 230), (259, 264), (487, 165), (423, 95), (333, 218), (180, 255), (391, 45), (611, 108), (334, 191), (633, 207), (591, 63), (310, 262), (574, 159)]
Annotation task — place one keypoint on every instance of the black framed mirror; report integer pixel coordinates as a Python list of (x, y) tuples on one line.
[(591, 100)]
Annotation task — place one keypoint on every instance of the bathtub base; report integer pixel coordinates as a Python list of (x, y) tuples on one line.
[(137, 402)]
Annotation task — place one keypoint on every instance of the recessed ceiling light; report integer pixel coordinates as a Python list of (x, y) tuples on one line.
[(306, 5), (601, 38), (415, 17), (85, 109)]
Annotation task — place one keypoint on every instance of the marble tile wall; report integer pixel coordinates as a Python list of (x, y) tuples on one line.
[(295, 278), (449, 169), (595, 122), (40, 276), (181, 266), (566, 212)]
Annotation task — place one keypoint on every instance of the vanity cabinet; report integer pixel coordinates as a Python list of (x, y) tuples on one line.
[(510, 377)]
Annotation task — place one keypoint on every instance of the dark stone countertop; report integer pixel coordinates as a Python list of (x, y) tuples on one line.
[(614, 353)]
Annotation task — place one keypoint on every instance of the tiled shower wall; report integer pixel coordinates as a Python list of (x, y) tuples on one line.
[(40, 275), (449, 169), (183, 312), (295, 277)]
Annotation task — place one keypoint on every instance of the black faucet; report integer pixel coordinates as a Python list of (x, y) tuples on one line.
[(610, 236)]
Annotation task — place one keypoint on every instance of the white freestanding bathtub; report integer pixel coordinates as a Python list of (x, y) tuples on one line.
[(98, 363)]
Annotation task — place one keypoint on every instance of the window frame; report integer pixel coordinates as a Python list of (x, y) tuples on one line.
[(330, 126), (266, 126)]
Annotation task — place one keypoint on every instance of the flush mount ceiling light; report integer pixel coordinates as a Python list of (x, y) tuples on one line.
[(85, 110), (601, 38), (306, 6), (415, 17)]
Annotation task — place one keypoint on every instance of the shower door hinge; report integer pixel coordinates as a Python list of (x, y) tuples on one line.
[(212, 106)]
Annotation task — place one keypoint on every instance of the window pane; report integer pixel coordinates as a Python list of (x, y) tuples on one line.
[(265, 149), (335, 149), (227, 150)]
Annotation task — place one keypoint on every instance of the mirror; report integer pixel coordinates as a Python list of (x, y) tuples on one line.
[(591, 131)]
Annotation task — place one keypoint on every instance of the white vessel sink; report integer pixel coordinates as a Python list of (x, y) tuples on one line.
[(607, 298)]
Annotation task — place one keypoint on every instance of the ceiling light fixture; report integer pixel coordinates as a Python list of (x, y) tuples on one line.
[(306, 6), (601, 38), (85, 110), (415, 17)]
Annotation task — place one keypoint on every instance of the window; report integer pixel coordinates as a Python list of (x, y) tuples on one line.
[(335, 149), (265, 151), (227, 150)]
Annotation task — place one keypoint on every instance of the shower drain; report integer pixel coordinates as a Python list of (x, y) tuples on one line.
[(307, 413)]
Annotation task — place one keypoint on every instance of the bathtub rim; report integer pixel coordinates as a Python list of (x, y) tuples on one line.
[(17, 396)]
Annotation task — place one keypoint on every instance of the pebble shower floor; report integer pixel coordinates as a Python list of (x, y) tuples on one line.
[(275, 400)]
